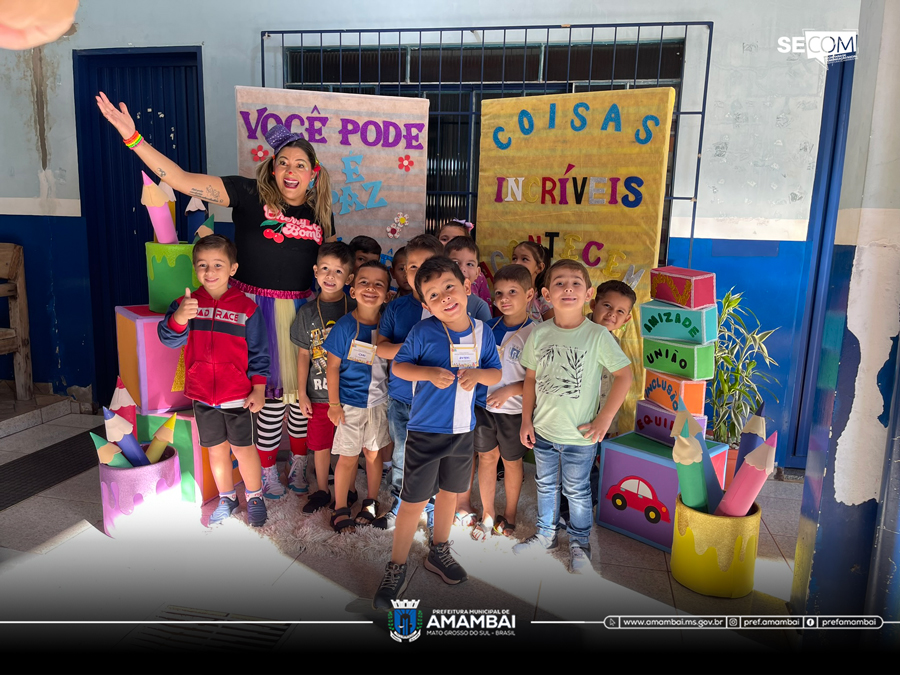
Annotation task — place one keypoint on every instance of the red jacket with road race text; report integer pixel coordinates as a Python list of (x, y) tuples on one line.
[(227, 347)]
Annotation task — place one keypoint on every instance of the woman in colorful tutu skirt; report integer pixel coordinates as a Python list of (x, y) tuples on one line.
[(281, 217)]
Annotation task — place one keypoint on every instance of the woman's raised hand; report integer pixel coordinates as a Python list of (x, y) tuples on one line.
[(118, 117)]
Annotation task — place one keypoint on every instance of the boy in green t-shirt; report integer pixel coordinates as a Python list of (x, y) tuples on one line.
[(564, 358)]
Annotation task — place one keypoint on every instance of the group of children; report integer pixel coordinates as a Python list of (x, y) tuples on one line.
[(426, 380)]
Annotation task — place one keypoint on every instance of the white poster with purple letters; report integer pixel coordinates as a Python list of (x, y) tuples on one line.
[(375, 149)]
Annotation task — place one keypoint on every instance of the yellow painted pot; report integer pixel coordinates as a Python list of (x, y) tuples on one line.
[(715, 555)]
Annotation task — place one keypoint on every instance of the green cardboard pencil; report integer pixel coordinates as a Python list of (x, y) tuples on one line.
[(110, 453), (688, 459)]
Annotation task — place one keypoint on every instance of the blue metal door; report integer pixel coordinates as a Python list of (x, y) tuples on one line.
[(163, 90), (819, 249)]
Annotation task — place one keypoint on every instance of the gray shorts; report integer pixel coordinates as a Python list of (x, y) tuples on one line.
[(362, 428)]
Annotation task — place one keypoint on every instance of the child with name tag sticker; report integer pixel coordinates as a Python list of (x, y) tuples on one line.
[(357, 396), (439, 445)]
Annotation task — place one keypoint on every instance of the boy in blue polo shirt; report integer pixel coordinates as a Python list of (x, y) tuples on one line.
[(445, 357), (398, 320), (358, 405)]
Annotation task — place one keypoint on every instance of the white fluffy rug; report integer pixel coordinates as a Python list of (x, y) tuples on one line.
[(294, 532)]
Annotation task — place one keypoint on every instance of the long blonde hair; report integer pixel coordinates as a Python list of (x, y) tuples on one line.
[(318, 197)]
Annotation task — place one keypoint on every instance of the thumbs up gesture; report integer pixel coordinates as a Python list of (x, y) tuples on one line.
[(187, 310)]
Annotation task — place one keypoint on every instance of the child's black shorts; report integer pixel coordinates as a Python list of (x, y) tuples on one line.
[(434, 462), (493, 429), (217, 425)]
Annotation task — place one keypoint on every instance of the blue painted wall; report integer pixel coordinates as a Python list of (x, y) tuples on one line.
[(59, 298), (772, 275), (835, 540)]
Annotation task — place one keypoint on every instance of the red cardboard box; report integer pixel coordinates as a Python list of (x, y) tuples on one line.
[(683, 287)]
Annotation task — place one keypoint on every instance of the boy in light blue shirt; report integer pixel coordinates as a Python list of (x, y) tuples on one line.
[(358, 404)]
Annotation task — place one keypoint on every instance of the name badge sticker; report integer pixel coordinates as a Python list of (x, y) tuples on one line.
[(362, 352), (463, 356)]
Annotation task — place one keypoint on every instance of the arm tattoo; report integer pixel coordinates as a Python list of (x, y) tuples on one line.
[(196, 192), (212, 194), (161, 173)]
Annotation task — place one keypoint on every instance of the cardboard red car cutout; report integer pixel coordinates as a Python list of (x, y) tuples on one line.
[(636, 493)]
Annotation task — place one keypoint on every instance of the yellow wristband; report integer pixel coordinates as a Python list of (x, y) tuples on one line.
[(334, 405)]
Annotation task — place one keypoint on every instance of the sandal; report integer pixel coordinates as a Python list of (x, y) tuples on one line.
[(352, 496), (504, 528), (341, 521), (366, 515), (481, 531), (466, 521)]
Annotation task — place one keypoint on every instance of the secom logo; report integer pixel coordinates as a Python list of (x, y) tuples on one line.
[(825, 46)]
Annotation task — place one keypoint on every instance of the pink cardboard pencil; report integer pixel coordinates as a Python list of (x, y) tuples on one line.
[(123, 405), (157, 203), (749, 479)]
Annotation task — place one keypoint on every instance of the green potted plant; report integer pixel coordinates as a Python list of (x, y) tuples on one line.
[(740, 354)]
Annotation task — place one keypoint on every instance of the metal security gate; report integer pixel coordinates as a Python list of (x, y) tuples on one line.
[(458, 68)]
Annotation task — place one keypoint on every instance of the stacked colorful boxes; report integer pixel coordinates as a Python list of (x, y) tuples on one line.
[(154, 377), (639, 483)]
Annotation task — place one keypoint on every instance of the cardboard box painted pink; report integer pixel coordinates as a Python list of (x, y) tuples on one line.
[(653, 421), (147, 367), (686, 288), (124, 491)]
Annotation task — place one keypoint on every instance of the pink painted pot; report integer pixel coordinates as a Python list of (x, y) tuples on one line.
[(128, 492)]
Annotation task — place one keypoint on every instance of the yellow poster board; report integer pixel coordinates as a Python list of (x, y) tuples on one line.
[(584, 175)]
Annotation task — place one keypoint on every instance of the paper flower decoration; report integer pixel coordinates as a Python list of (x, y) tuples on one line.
[(401, 221), (405, 163), (259, 153)]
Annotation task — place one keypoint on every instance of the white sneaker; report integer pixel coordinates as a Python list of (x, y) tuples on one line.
[(272, 487), (297, 476)]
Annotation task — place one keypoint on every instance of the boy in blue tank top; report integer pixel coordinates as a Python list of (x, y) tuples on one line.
[(444, 357)]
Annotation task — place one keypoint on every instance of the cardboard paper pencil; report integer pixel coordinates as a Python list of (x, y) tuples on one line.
[(688, 458), (157, 204), (752, 435), (195, 214), (162, 439), (109, 453), (713, 486), (207, 228), (749, 479), (118, 431), (123, 405), (170, 194)]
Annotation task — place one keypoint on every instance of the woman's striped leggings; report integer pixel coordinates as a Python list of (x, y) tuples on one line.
[(269, 424)]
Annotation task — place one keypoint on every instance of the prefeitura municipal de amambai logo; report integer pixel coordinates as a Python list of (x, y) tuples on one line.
[(405, 620)]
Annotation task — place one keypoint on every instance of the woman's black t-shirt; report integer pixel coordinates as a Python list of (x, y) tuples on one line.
[(276, 251)]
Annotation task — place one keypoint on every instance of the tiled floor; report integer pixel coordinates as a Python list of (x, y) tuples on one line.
[(56, 563), (44, 406)]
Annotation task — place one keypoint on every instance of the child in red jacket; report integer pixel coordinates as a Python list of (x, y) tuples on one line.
[(226, 365)]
